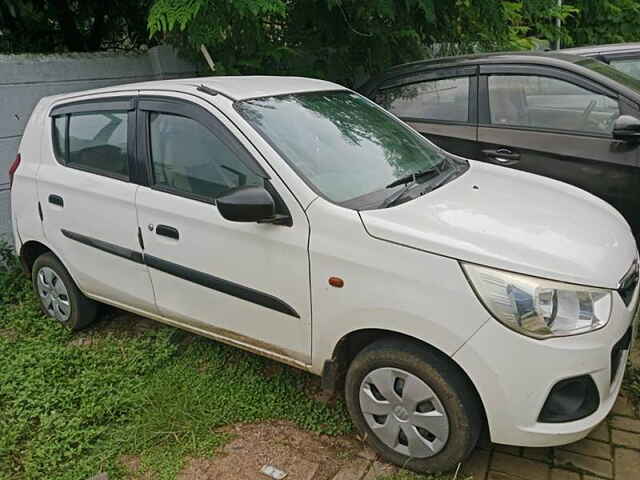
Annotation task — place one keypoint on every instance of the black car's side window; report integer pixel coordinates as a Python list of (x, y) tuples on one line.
[(630, 66), (549, 103), (442, 99), (96, 142), (189, 159)]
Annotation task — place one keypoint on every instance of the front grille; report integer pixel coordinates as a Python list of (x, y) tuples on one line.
[(628, 284), (618, 351)]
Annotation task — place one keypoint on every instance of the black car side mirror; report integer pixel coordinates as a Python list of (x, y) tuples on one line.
[(246, 204), (251, 204), (627, 128)]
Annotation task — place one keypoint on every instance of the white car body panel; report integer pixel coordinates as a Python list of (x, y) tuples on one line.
[(514, 375), (385, 287), (542, 227)]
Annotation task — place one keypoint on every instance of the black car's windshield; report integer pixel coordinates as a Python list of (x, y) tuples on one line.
[(612, 73), (342, 144)]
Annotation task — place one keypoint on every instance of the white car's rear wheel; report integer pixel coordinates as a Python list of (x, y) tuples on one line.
[(59, 296)]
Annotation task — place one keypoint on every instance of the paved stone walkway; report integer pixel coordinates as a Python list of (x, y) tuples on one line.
[(611, 452)]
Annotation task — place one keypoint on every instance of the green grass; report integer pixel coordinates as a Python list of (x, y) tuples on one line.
[(406, 475), (69, 411), (631, 381), (631, 384)]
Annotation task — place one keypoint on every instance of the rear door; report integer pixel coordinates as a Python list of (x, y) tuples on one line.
[(557, 124), (87, 198), (247, 283), (441, 104)]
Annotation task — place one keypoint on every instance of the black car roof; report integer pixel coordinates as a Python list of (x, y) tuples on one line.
[(592, 50), (560, 59)]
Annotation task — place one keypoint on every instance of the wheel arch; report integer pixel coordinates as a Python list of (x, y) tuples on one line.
[(30, 251)]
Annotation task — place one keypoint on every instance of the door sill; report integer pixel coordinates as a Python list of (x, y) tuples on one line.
[(213, 333)]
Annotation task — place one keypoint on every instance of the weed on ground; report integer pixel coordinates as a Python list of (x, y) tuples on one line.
[(69, 410)]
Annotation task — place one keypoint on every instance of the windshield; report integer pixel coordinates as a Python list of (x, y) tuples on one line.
[(610, 72), (344, 146)]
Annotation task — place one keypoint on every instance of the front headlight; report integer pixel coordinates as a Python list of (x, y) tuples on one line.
[(539, 308)]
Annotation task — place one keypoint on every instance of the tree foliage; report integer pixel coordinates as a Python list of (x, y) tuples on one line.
[(347, 40), (604, 21), (344, 40), (45, 26)]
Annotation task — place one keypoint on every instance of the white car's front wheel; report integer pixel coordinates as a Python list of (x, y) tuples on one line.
[(413, 405)]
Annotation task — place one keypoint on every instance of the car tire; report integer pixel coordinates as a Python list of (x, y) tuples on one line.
[(58, 294), (413, 405)]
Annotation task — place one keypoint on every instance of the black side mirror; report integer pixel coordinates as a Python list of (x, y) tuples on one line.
[(246, 204), (626, 127)]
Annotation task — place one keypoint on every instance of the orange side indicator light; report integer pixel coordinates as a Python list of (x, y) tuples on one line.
[(336, 282)]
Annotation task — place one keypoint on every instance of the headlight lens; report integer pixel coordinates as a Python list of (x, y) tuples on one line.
[(540, 308)]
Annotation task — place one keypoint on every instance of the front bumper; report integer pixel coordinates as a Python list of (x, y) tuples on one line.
[(514, 375)]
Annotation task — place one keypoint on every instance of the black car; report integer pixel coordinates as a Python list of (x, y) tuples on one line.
[(623, 56), (567, 117)]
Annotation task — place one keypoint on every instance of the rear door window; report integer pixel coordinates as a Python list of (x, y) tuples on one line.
[(98, 142), (95, 142), (442, 99), (630, 66)]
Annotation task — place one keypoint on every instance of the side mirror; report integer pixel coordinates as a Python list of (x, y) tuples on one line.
[(247, 204), (627, 128)]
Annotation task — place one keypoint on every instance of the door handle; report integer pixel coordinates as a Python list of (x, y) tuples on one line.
[(167, 231), (502, 156), (56, 200)]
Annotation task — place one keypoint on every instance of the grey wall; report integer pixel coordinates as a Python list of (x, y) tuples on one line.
[(24, 79)]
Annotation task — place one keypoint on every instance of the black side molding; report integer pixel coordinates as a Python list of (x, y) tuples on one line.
[(204, 279), (221, 285), (105, 246)]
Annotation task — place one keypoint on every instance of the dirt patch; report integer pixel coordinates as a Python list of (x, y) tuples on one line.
[(303, 455), (133, 464), (117, 323), (9, 333)]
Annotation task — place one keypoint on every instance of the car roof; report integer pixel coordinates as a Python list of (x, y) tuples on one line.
[(233, 87), (486, 58), (559, 59), (603, 49)]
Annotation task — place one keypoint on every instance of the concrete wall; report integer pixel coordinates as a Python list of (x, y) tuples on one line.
[(24, 79)]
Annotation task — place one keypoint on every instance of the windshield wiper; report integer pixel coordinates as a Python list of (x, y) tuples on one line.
[(412, 177), (409, 181)]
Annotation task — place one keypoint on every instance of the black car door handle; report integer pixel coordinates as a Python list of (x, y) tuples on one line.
[(56, 200), (167, 231), (502, 156)]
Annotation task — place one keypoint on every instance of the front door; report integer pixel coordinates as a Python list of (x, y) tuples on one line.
[(247, 283), (553, 124), (87, 199)]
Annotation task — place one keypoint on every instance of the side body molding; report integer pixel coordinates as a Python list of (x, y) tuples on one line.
[(201, 278)]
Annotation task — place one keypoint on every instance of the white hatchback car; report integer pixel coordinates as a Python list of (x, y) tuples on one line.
[(298, 220)]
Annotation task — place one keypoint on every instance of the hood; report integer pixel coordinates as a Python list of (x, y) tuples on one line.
[(516, 221)]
